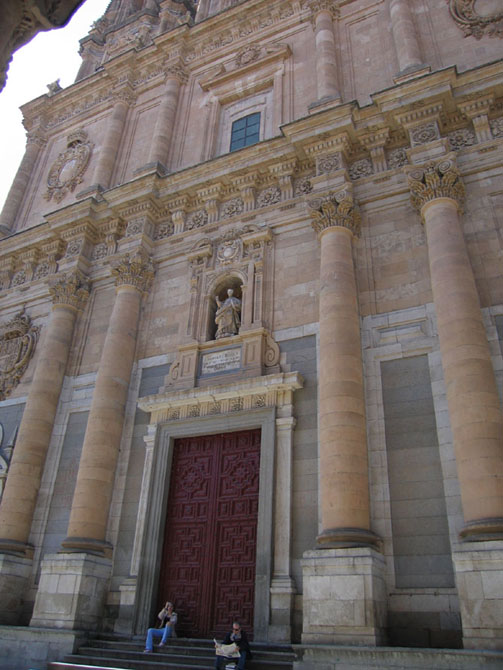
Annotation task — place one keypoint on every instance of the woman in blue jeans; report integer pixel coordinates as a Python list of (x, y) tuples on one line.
[(168, 620)]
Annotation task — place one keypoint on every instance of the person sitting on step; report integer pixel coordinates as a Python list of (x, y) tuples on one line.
[(238, 637), (167, 622)]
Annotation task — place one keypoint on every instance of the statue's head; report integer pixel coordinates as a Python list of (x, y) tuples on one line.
[(230, 291)]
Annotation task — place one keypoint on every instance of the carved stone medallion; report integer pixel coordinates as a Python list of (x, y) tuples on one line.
[(68, 169), (478, 18), (17, 344)]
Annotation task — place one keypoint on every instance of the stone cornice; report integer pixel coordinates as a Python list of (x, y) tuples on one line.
[(435, 179)]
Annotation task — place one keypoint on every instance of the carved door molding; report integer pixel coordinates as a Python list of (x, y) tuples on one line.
[(208, 564)]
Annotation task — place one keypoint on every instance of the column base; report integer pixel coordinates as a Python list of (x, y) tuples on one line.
[(482, 530), (322, 103), (480, 590), (71, 591), (15, 573), (338, 538), (282, 601), (87, 545), (124, 622), (344, 596), (150, 168)]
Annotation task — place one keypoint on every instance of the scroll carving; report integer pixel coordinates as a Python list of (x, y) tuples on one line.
[(473, 21), (68, 169)]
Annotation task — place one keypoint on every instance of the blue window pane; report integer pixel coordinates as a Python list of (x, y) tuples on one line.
[(245, 131)]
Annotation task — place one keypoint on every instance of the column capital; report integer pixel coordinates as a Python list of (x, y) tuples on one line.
[(336, 209), (71, 289), (176, 71), (136, 271), (317, 6), (435, 179)]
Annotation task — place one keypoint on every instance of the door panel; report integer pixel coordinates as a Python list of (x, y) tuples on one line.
[(209, 554)]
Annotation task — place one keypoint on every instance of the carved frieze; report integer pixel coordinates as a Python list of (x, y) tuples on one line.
[(335, 209), (17, 343), (497, 127), (435, 179), (329, 163), (269, 196), (68, 169), (232, 208), (428, 132), (458, 139), (197, 220), (361, 168), (397, 158), (474, 21), (164, 229), (303, 186)]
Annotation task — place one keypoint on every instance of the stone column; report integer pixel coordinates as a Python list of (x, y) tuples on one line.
[(111, 142), (10, 210), (25, 472), (93, 491), (163, 131), (345, 510), (404, 37), (472, 395), (344, 600), (324, 12)]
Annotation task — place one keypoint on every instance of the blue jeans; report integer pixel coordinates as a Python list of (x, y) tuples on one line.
[(157, 633), (221, 662)]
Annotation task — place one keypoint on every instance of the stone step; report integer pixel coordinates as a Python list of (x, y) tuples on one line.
[(107, 653)]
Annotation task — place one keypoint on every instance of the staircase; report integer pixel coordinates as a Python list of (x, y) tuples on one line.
[(104, 653)]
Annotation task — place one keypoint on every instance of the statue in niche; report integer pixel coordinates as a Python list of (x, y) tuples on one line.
[(227, 316)]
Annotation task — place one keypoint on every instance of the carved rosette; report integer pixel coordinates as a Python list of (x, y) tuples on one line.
[(17, 345), (71, 290), (335, 209), (68, 169), (465, 14), (435, 180), (137, 271)]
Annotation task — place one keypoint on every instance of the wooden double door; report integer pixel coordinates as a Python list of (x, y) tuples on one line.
[(209, 551)]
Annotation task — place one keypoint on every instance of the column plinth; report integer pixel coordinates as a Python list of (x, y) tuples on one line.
[(472, 395)]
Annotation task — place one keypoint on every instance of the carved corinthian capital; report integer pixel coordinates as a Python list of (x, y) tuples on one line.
[(435, 179), (317, 6), (72, 290), (137, 271), (335, 209)]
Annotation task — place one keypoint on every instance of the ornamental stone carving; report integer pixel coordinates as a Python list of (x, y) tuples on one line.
[(428, 132), (74, 247), (232, 208), (326, 164), (197, 220), (230, 249), (71, 289), (459, 139), (335, 209), (317, 6), (68, 169), (497, 127), (247, 55), (164, 230), (397, 158), (269, 196), (303, 186), (361, 168), (17, 344), (137, 271), (433, 180), (474, 21)]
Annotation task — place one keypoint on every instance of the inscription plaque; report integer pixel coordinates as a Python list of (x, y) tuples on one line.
[(221, 361)]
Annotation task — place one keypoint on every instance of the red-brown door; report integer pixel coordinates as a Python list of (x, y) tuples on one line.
[(208, 565)]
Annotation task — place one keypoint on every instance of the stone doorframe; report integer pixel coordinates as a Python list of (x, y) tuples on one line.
[(262, 402)]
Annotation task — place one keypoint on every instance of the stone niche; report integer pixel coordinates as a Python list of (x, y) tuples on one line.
[(253, 353)]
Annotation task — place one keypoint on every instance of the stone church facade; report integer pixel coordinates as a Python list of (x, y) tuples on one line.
[(252, 310)]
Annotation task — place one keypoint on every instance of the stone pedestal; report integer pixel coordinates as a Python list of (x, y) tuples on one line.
[(124, 622), (479, 577), (282, 600), (72, 591), (14, 574), (344, 596)]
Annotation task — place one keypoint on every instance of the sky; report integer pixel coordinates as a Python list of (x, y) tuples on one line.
[(49, 56)]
